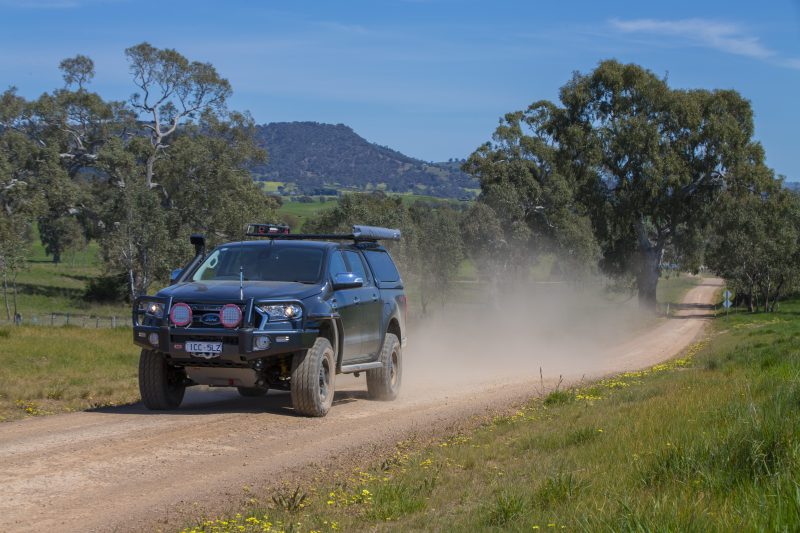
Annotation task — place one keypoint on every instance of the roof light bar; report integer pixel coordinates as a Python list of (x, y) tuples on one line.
[(266, 230)]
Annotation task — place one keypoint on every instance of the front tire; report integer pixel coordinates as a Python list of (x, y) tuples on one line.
[(313, 377), (161, 386), (384, 383)]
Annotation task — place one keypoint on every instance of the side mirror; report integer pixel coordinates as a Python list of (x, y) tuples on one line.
[(347, 281), (173, 277)]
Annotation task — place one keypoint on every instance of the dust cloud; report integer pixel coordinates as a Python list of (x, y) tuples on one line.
[(562, 330)]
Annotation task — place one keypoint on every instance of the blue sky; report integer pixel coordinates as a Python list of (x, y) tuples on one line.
[(427, 77)]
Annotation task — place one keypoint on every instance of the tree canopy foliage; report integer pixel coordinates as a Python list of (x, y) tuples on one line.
[(623, 164), (138, 175)]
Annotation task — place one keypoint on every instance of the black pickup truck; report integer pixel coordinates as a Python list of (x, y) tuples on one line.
[(287, 312)]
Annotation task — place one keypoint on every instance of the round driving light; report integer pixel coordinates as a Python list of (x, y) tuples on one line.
[(261, 342), (230, 315), (153, 338), (181, 314)]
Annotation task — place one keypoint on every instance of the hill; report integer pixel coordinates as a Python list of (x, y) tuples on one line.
[(314, 158)]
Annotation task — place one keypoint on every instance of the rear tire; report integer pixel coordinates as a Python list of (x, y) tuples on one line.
[(384, 383), (251, 392), (161, 386), (313, 377)]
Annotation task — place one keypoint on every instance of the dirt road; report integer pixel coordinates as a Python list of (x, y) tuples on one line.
[(128, 469)]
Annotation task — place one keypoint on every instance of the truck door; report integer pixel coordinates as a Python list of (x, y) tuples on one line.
[(347, 304), (371, 306)]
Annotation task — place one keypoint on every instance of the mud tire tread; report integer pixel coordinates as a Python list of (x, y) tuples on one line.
[(305, 379), (379, 380), (157, 392)]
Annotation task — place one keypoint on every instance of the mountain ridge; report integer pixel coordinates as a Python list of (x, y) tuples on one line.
[(309, 157)]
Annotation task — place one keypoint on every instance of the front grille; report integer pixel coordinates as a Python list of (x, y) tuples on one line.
[(207, 315)]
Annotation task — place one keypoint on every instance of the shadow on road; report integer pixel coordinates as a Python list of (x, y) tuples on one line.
[(686, 311), (209, 401)]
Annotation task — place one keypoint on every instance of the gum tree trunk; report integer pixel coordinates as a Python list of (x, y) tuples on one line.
[(649, 268), (5, 296), (647, 277)]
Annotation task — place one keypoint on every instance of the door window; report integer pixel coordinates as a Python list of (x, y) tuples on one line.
[(337, 264), (357, 265)]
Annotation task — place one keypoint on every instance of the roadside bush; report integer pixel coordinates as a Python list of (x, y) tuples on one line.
[(109, 288)]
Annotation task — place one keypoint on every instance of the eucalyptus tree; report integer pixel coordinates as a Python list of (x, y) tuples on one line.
[(74, 124), (657, 157), (755, 240), (638, 162), (527, 203), (171, 91), (215, 156), (440, 250), (21, 161)]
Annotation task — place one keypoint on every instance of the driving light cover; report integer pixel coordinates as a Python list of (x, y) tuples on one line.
[(282, 311), (230, 315), (181, 314), (153, 338)]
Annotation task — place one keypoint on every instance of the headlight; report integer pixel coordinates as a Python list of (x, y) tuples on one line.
[(152, 308), (281, 312)]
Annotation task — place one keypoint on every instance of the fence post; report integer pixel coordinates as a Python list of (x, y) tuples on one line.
[(52, 319), (67, 324), (83, 322), (114, 321), (97, 325)]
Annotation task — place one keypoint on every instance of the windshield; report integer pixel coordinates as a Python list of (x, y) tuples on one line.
[(262, 263)]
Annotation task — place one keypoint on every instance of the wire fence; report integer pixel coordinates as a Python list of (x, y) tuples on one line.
[(68, 319)]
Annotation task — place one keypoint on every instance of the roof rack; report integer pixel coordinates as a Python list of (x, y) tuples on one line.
[(360, 233)]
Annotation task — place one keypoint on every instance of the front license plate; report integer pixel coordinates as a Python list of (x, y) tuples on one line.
[(204, 347)]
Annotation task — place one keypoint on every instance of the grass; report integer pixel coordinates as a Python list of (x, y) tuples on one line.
[(45, 287), (705, 442), (271, 186), (55, 370), (304, 211)]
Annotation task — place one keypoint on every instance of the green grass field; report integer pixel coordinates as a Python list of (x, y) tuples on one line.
[(706, 442), (55, 370), (45, 288), (303, 211)]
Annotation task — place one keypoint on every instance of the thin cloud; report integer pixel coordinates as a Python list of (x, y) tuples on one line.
[(726, 37)]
